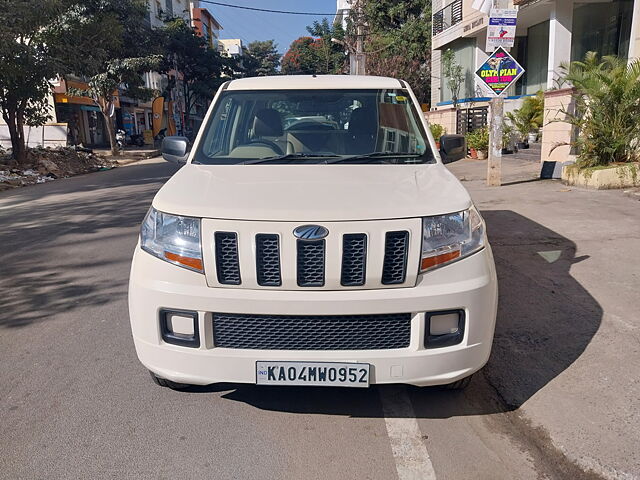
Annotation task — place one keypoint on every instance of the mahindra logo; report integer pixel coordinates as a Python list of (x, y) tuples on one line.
[(310, 232)]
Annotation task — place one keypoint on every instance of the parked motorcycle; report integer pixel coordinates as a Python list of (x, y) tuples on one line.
[(161, 134), (121, 138), (137, 139)]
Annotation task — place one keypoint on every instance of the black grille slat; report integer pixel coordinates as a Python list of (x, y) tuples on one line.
[(310, 258), (312, 332), (354, 259), (395, 258), (268, 260), (227, 262)]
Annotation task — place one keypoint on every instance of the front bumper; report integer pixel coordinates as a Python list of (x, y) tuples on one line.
[(469, 284)]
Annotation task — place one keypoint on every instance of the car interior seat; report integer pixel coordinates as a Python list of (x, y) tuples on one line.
[(363, 131), (267, 125)]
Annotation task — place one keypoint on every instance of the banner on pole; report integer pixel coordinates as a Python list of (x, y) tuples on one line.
[(499, 71), (501, 31)]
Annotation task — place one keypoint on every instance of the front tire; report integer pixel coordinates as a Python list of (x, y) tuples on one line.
[(163, 382)]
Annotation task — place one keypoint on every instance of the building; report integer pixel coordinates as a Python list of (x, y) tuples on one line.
[(206, 26), (343, 8), (549, 33), (230, 47)]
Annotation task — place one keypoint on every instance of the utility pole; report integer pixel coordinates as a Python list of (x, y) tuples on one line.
[(494, 164), (359, 67)]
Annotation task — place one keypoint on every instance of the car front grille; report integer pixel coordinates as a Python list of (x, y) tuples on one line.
[(312, 332), (311, 260), (268, 260)]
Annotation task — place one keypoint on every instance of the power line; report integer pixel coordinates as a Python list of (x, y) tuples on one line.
[(267, 10)]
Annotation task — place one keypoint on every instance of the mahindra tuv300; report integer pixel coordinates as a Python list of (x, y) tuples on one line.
[(313, 237)]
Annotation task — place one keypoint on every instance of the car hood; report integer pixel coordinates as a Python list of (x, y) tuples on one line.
[(312, 193)]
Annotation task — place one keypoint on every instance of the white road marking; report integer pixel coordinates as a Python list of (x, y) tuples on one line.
[(409, 451)]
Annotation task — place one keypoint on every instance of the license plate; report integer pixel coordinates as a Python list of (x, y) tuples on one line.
[(329, 374)]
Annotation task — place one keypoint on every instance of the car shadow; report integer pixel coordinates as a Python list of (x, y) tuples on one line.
[(48, 261), (545, 321)]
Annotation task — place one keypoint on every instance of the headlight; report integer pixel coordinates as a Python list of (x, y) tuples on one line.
[(450, 237), (173, 239)]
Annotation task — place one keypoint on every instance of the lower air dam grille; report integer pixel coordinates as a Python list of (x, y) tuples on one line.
[(312, 332)]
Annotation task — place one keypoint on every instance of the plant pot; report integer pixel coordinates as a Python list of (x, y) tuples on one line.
[(482, 155), (522, 145), (533, 137), (473, 153), (506, 151), (438, 146)]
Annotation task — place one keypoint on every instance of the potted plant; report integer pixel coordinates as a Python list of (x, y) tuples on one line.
[(528, 119), (437, 131), (478, 142), (508, 145)]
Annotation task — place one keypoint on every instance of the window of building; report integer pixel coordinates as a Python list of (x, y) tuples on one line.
[(602, 27), (464, 53), (536, 59), (158, 8)]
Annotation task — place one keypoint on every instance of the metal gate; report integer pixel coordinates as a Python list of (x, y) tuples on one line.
[(471, 119)]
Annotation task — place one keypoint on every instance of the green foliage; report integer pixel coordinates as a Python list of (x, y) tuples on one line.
[(606, 109), (453, 74), (507, 135), (200, 67), (261, 58), (437, 131), (318, 54), (479, 139), (44, 39), (529, 117), (397, 40)]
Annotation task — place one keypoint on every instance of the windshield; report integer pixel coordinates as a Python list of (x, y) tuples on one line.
[(314, 126)]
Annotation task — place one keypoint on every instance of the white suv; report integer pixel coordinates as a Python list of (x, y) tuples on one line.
[(337, 251)]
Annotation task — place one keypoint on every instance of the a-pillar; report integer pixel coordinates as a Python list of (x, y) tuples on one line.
[(560, 28)]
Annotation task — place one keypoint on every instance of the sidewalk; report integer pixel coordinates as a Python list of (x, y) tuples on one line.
[(566, 356), (129, 154)]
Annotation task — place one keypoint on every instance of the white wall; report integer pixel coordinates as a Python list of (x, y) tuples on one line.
[(54, 135)]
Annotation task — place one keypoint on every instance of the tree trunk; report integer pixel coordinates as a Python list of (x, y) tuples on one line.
[(108, 122), (111, 131), (187, 107), (16, 132)]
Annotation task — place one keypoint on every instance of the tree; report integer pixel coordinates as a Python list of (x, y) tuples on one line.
[(199, 67), (397, 40), (321, 55), (300, 59), (606, 108), (453, 74), (133, 50), (44, 39), (35, 48), (329, 53), (261, 58), (122, 73)]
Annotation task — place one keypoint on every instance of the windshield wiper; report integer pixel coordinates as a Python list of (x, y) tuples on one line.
[(289, 156), (376, 157)]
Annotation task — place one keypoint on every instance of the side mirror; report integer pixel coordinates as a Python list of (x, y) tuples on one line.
[(175, 149), (453, 148)]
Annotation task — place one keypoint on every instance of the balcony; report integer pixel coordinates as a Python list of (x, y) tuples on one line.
[(447, 17)]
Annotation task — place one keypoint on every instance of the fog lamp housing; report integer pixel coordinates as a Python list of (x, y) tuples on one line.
[(180, 327), (444, 328)]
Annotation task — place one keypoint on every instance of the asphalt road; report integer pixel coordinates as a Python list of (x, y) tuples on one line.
[(76, 403)]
